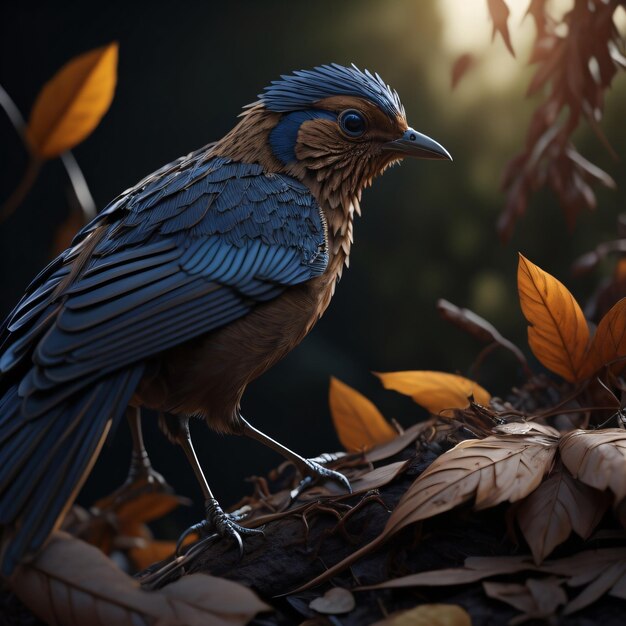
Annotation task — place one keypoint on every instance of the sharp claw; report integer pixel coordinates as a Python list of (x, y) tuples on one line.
[(313, 472), (220, 524)]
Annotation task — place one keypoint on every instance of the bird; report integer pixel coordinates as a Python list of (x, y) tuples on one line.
[(185, 288)]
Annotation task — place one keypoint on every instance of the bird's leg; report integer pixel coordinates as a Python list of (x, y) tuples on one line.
[(216, 521), (311, 470), (142, 477)]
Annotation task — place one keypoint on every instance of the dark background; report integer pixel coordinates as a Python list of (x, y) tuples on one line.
[(428, 229)]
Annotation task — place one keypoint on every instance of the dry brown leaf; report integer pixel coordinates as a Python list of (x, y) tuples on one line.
[(359, 424), (71, 104), (435, 391), (72, 584), (429, 615), (538, 598), (489, 566), (558, 334), (335, 601), (491, 470), (611, 580), (559, 505), (597, 458), (609, 342), (391, 448)]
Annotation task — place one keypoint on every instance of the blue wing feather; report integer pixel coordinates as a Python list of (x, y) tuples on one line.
[(188, 250)]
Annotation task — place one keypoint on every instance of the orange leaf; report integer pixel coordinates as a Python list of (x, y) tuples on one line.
[(609, 342), (71, 104), (435, 391), (359, 424), (558, 334)]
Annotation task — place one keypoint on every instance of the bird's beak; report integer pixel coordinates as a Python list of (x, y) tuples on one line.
[(417, 145)]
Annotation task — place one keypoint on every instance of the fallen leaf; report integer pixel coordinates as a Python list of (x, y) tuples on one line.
[(557, 333), (71, 104), (384, 451), (497, 566), (611, 577), (609, 342), (491, 470), (559, 505), (597, 458), (461, 66), (73, 583), (429, 615), (149, 506), (335, 601), (538, 598), (435, 391), (359, 424)]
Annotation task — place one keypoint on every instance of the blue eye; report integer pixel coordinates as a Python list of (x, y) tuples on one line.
[(352, 123)]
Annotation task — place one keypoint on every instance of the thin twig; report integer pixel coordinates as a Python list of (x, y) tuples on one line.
[(74, 173)]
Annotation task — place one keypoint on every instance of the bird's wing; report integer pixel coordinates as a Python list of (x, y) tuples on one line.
[(191, 250)]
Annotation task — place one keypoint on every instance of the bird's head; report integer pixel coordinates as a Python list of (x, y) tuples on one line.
[(333, 127)]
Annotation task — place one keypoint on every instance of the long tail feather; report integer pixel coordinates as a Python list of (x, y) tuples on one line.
[(48, 459)]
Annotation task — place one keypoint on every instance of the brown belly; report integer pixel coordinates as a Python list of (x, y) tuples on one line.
[(207, 376)]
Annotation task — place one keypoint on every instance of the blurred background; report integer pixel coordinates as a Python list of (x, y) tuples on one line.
[(428, 228)]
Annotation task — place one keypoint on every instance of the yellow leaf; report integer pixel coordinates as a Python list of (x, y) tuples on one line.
[(558, 334), (71, 104), (435, 391), (429, 615), (609, 342), (359, 424)]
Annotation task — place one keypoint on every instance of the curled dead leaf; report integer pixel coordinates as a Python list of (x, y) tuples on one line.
[(559, 505), (73, 584), (359, 424), (71, 104), (429, 615), (435, 391), (557, 333), (597, 458), (491, 470)]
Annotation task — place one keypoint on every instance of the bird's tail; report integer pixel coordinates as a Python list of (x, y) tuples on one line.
[(47, 459)]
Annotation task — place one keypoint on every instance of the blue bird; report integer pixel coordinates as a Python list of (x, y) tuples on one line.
[(185, 288)]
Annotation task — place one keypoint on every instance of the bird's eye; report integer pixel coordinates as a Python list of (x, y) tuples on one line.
[(352, 123)]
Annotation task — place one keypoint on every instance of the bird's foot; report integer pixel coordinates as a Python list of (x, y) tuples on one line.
[(312, 472), (142, 479), (220, 524)]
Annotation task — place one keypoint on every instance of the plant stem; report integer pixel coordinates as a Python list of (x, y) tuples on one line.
[(21, 191)]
